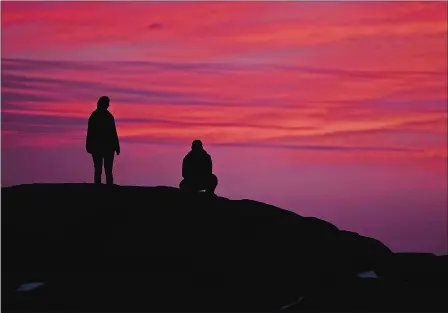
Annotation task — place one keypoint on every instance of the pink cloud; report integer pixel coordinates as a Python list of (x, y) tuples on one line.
[(291, 99)]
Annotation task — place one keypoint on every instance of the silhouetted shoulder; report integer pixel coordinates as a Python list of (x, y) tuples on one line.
[(92, 115), (187, 156)]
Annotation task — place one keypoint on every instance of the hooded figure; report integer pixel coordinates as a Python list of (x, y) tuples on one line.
[(197, 170), (102, 140)]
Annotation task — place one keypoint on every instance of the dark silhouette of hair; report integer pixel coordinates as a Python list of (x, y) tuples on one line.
[(196, 144), (103, 103)]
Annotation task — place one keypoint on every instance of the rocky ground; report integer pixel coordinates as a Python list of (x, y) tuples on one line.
[(100, 248)]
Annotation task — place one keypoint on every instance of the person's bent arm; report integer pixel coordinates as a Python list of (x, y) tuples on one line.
[(209, 165), (88, 137), (116, 140), (184, 168)]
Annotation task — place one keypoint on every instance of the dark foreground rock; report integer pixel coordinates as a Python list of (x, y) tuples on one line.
[(159, 249)]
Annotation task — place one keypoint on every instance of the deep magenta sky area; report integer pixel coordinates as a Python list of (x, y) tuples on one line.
[(328, 109)]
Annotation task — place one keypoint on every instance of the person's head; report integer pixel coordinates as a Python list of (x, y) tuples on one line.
[(196, 145), (103, 103)]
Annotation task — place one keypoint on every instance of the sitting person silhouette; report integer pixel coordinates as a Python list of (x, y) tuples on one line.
[(197, 170), (102, 140)]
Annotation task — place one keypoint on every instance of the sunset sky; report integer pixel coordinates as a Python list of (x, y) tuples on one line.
[(328, 109)]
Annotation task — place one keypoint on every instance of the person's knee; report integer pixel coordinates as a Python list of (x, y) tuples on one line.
[(187, 184), (214, 180)]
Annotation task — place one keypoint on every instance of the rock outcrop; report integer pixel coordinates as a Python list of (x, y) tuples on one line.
[(100, 248)]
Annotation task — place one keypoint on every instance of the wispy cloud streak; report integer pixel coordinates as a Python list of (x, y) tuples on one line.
[(350, 80)]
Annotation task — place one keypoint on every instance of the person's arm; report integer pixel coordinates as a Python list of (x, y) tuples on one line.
[(116, 140), (184, 167), (89, 137), (209, 165)]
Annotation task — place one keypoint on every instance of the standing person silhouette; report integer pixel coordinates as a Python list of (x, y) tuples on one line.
[(197, 170), (102, 140)]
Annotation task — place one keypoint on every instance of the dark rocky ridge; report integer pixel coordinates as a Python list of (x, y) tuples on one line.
[(159, 249)]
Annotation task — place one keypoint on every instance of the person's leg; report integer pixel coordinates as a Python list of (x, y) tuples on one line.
[(108, 166), (182, 184), (98, 165), (186, 185), (213, 183)]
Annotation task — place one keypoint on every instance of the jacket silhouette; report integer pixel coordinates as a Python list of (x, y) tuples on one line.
[(102, 140), (197, 170)]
